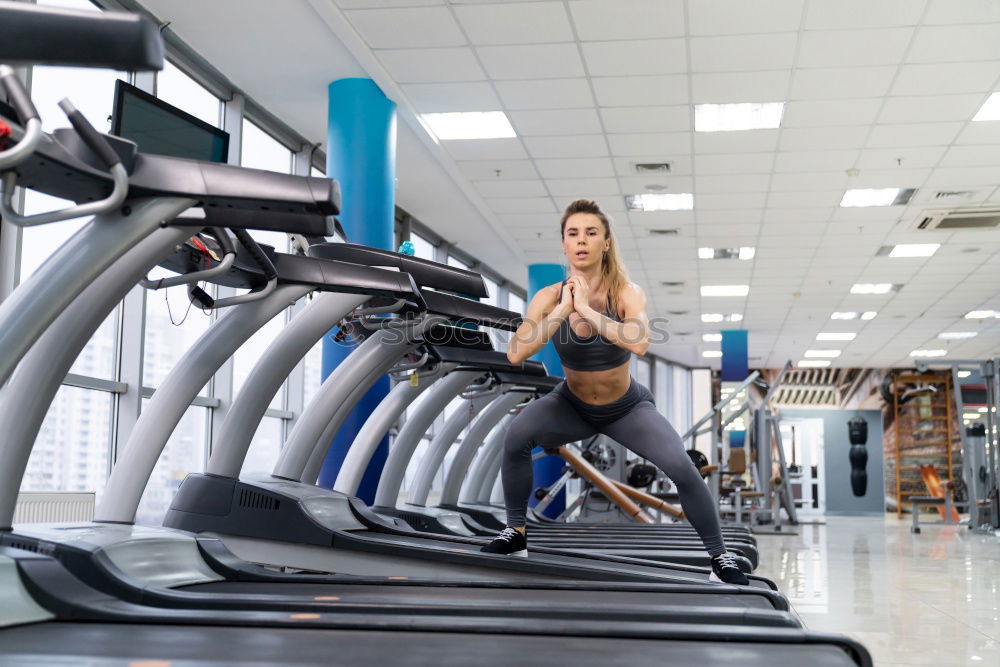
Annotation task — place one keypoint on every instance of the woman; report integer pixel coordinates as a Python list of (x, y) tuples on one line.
[(597, 319)]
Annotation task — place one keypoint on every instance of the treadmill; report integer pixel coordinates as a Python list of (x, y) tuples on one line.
[(113, 635)]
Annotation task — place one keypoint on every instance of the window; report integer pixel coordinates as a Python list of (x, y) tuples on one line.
[(515, 303), (68, 454), (177, 88), (264, 447), (184, 453), (262, 151), (173, 324), (494, 292), (250, 352), (313, 371), (454, 261), (422, 247)]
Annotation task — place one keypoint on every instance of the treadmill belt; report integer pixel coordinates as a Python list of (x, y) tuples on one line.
[(105, 644), (365, 593)]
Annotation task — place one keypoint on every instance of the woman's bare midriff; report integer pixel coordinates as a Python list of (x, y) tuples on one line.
[(599, 387)]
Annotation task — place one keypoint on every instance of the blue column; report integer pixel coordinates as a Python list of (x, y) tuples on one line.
[(549, 468), (361, 155), (735, 362)]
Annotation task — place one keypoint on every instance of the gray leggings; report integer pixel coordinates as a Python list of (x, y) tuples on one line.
[(633, 421)]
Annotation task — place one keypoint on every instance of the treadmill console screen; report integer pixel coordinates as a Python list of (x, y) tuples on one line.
[(157, 127)]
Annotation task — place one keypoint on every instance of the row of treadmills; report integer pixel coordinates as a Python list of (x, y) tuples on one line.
[(272, 568)]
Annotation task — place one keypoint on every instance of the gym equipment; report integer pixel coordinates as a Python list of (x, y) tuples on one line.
[(857, 429)]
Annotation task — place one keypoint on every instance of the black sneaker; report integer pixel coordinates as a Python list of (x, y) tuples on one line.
[(509, 542), (725, 570)]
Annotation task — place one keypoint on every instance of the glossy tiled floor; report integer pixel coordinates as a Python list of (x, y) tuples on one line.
[(928, 599)]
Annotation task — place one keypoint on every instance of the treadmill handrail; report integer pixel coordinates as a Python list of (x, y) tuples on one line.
[(123, 41)]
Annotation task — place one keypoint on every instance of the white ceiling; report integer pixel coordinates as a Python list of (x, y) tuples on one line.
[(884, 89)]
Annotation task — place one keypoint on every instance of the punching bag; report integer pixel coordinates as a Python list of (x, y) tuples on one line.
[(857, 430)]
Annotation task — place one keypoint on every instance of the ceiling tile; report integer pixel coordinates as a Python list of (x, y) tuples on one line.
[(724, 17), (532, 221), (583, 187), (555, 122), (497, 188), (749, 141), (950, 44), (743, 52), (854, 14), (587, 145), (663, 144), (522, 205), (798, 181), (576, 168), (522, 23), (670, 183), (821, 139), (368, 4), (431, 65), (841, 82), (800, 216), (735, 163), (533, 61), (446, 97), (955, 177), (624, 120), (930, 109), (913, 134), (627, 19), (972, 11), (650, 56), (485, 149), (545, 94), (980, 133), (730, 201), (727, 87), (911, 158), (804, 199), (509, 169), (629, 91), (970, 156), (946, 78), (819, 113), (732, 183), (824, 161), (840, 48), (407, 28)]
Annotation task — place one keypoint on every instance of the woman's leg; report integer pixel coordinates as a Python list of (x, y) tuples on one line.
[(648, 433), (549, 421)]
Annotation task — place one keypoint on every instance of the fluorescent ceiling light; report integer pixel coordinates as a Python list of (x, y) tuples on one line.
[(982, 314), (876, 197), (844, 316), (711, 354), (719, 317), (813, 363), (869, 315), (743, 116), (970, 415), (964, 374), (470, 125), (711, 338), (990, 109), (681, 201), (836, 336), (982, 409), (957, 335), (928, 353), (872, 288), (914, 249), (829, 354), (725, 290), (744, 253)]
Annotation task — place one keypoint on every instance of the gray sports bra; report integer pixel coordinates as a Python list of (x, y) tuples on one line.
[(588, 353)]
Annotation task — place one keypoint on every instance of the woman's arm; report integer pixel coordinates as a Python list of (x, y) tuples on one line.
[(546, 311), (631, 334)]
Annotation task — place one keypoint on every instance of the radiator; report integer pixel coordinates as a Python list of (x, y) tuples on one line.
[(53, 507)]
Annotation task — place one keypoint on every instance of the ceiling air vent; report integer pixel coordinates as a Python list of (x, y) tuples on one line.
[(678, 312), (664, 232), (652, 167), (958, 218), (954, 195), (672, 283)]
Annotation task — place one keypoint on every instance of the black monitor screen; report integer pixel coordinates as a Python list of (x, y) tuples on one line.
[(156, 127)]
